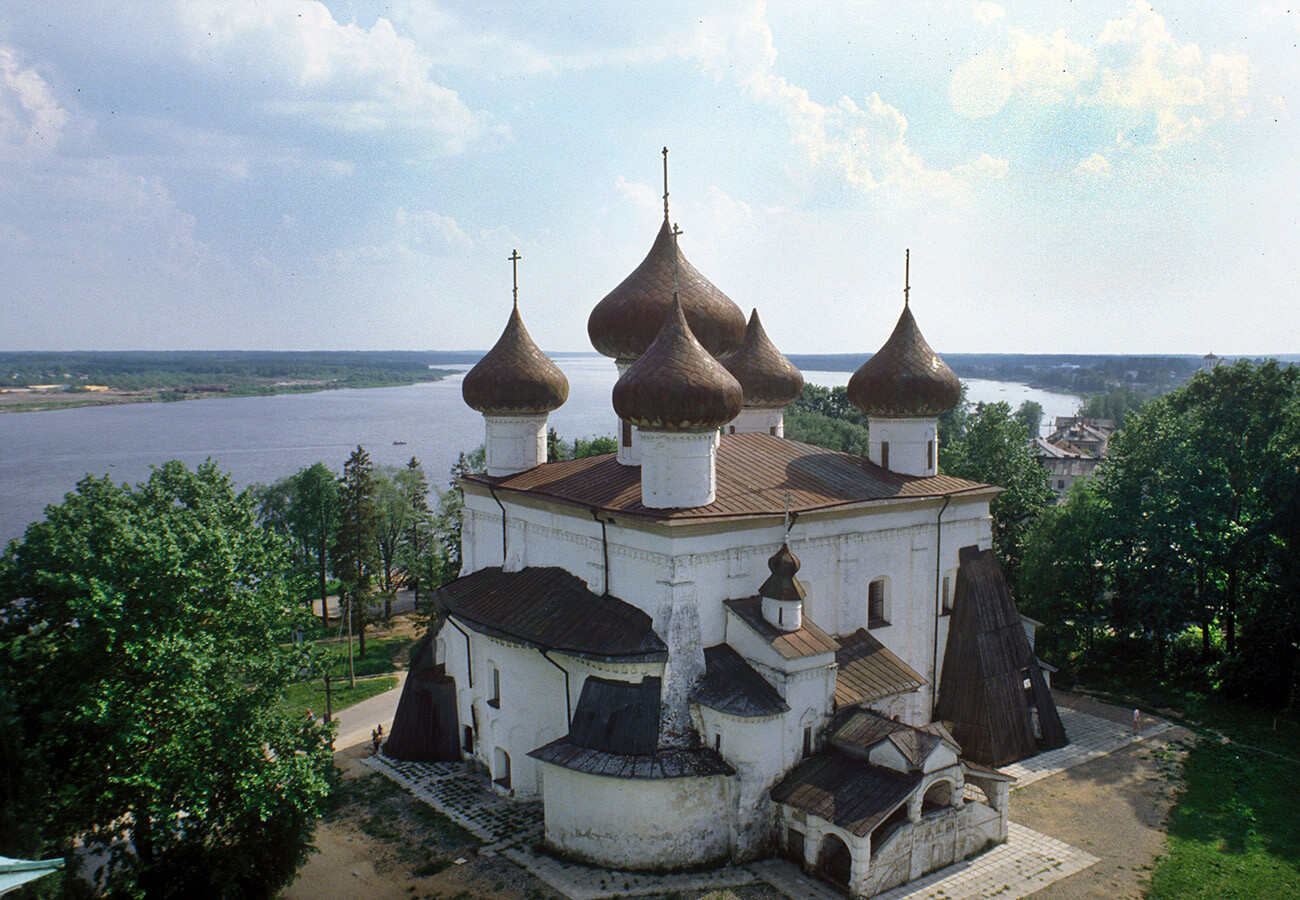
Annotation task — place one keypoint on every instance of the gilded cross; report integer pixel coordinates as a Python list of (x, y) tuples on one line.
[(514, 265), (676, 231), (665, 184), (907, 274)]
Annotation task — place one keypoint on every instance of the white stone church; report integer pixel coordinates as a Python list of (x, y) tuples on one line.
[(718, 644)]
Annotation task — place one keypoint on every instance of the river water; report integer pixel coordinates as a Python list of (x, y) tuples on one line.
[(43, 454)]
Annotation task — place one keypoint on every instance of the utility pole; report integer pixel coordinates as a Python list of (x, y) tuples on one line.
[(329, 701), (352, 675)]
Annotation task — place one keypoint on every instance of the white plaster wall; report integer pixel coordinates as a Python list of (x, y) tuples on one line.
[(753, 418), (756, 748), (678, 469), (514, 443), (910, 449), (636, 823)]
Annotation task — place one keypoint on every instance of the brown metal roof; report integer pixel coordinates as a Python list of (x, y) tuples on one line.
[(864, 728), (515, 377), (553, 609), (868, 670), (663, 763), (676, 385), (755, 472), (807, 640), (730, 685), (626, 322), (905, 377), (851, 793), (767, 377)]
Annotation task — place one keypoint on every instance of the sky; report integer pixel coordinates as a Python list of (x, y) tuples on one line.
[(1082, 177)]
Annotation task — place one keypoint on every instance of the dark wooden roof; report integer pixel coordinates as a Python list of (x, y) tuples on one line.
[(851, 793), (730, 685), (550, 608), (768, 379), (515, 377), (863, 729), (982, 691), (617, 716), (627, 320), (664, 763), (425, 726), (905, 377), (676, 385), (807, 640), (868, 670), (755, 473)]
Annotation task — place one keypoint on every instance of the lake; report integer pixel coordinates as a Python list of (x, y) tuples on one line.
[(44, 454)]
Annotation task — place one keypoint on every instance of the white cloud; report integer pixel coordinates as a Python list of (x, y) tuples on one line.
[(1094, 166), (1135, 69), (307, 65), (30, 118), (641, 194), (863, 144), (987, 13)]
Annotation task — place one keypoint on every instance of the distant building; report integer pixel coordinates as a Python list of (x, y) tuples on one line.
[(1073, 450), (1210, 362)]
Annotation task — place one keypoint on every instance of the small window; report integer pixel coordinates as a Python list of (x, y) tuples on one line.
[(929, 455), (495, 700), (467, 741), (884, 454), (807, 741), (947, 595), (780, 616), (717, 742), (1060, 482), (877, 613), (733, 429), (627, 433), (772, 431)]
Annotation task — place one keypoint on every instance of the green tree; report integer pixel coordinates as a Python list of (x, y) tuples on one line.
[(995, 450), (145, 642), (313, 517), (451, 503), (1030, 415), (594, 447), (392, 521), (419, 555), (555, 448), (354, 551)]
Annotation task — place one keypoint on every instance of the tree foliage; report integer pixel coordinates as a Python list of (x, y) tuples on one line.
[(355, 550), (145, 641)]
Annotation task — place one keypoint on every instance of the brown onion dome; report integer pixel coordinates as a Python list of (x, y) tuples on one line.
[(905, 377), (768, 379), (515, 378), (627, 321), (676, 385), (781, 584)]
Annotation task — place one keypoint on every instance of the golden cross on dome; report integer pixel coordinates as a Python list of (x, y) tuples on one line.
[(665, 184), (514, 265), (676, 231), (907, 274)]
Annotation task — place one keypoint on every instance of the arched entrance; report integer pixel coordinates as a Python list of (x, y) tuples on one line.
[(501, 770), (835, 862), (937, 797)]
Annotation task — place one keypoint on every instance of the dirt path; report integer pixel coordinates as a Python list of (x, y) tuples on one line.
[(1114, 807)]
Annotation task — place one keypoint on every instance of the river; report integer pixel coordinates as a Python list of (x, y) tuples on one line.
[(43, 454)]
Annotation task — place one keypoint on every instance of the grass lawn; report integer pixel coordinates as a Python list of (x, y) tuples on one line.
[(380, 653), (307, 695)]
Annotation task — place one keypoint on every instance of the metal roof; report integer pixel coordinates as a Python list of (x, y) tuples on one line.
[(905, 377), (868, 670), (665, 763), (806, 640), (515, 377), (730, 685), (850, 793), (547, 607), (755, 473)]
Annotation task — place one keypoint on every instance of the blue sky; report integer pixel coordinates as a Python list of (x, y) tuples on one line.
[(1070, 177)]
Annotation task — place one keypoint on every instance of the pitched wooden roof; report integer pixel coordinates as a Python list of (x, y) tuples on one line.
[(546, 606), (730, 685), (807, 640), (868, 670), (852, 794), (663, 763), (755, 472), (982, 692), (863, 729), (617, 716)]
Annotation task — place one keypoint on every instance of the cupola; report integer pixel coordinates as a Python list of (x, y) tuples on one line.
[(515, 386), (782, 593), (903, 389), (770, 382), (677, 395), (628, 319)]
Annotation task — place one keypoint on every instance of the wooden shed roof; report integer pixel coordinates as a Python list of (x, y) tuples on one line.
[(730, 685), (850, 793), (868, 670), (806, 640)]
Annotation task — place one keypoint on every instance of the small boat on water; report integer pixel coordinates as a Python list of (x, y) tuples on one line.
[(399, 443)]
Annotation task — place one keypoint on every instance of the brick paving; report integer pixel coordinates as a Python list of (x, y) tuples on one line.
[(1028, 861)]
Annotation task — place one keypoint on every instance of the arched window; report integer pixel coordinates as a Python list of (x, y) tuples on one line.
[(878, 603), (937, 796), (884, 454), (494, 700), (501, 769)]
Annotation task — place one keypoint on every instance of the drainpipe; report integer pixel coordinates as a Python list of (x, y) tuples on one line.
[(938, 603), (604, 546), (568, 702), (493, 492), (469, 656)]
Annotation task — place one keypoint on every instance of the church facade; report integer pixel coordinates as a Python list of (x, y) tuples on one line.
[(716, 644)]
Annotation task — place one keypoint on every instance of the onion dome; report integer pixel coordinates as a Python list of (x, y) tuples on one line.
[(676, 385), (626, 322), (905, 377), (768, 379), (782, 585), (515, 378)]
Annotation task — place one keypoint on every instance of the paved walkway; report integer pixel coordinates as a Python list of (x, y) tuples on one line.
[(1027, 862), (357, 720)]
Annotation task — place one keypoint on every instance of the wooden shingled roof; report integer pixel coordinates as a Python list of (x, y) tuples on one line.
[(982, 692), (863, 729), (730, 685), (755, 473), (806, 640), (548, 607), (852, 794), (868, 670)]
